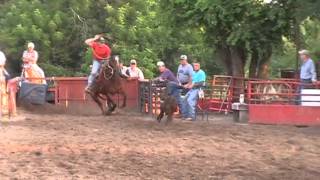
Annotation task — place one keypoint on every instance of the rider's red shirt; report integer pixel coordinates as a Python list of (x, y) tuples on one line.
[(100, 51)]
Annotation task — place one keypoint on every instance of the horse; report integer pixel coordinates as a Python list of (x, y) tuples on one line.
[(108, 82)]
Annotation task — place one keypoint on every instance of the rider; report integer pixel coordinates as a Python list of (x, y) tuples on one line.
[(101, 52)]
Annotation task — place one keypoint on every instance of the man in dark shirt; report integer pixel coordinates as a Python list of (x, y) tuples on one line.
[(173, 86), (166, 74)]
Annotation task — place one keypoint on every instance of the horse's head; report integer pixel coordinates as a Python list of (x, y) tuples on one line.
[(110, 68)]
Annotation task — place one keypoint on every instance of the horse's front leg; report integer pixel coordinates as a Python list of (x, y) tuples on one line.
[(111, 105), (95, 97)]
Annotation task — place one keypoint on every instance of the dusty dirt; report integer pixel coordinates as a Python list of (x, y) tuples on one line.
[(52, 144)]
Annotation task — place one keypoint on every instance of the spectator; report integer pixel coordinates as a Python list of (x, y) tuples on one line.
[(101, 52), (308, 70), (185, 71), (166, 74), (191, 99), (4, 72), (133, 71), (7, 88), (122, 69), (30, 66), (308, 73)]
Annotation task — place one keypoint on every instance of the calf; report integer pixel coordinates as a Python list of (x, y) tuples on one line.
[(167, 107)]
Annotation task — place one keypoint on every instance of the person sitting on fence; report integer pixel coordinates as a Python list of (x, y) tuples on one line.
[(133, 71), (122, 68), (191, 99), (31, 71), (101, 53), (172, 83)]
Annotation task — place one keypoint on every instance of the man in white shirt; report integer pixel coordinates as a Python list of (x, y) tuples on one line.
[(133, 71)]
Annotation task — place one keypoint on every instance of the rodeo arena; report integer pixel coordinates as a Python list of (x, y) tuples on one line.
[(208, 127)]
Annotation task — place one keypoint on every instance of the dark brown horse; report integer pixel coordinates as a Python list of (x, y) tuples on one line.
[(109, 82)]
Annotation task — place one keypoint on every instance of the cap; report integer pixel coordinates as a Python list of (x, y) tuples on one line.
[(160, 63), (183, 57), (30, 45), (304, 52), (133, 61)]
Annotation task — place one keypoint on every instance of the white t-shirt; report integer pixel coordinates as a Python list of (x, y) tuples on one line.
[(33, 55), (2, 59), (135, 73)]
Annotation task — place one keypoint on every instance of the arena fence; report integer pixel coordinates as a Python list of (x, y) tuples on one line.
[(262, 96)]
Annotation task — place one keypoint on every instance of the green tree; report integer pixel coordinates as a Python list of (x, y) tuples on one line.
[(238, 30)]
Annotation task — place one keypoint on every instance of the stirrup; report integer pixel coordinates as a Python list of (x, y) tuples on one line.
[(88, 90)]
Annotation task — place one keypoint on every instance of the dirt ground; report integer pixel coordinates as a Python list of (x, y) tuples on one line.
[(52, 144)]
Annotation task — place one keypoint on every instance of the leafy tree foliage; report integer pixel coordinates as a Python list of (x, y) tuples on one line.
[(241, 34)]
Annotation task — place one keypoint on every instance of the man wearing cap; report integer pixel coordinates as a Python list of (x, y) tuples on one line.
[(185, 71), (191, 99), (166, 74), (308, 71), (173, 87), (184, 76), (101, 52), (133, 71)]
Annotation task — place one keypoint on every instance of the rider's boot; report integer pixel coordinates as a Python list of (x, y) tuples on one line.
[(88, 89)]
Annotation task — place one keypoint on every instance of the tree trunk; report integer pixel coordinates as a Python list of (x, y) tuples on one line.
[(238, 61), (264, 62), (253, 64), (225, 57)]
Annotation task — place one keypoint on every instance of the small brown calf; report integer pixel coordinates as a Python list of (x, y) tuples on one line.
[(168, 107)]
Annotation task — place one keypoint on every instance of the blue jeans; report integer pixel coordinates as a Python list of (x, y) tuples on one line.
[(306, 83), (94, 71), (173, 89), (189, 104)]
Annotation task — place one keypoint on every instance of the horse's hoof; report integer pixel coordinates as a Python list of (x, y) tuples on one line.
[(108, 113), (112, 108)]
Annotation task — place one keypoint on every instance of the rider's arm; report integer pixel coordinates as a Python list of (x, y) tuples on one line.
[(90, 41), (190, 73)]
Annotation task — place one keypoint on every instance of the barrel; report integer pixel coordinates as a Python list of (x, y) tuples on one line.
[(287, 73)]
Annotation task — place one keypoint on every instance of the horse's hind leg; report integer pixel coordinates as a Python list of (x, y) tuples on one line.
[(160, 116), (124, 95), (95, 97), (169, 118)]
